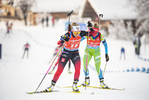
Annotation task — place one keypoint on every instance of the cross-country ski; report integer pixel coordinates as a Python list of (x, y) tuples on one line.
[(41, 92), (109, 88)]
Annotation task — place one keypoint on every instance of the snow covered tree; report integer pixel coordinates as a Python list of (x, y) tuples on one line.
[(119, 30), (142, 8), (25, 6)]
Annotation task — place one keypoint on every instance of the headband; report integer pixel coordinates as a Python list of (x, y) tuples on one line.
[(76, 28)]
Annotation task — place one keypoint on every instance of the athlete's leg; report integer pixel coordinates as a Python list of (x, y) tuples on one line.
[(97, 59), (77, 64), (65, 56), (27, 53), (86, 60)]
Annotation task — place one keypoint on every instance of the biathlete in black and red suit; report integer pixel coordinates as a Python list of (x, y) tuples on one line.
[(71, 42)]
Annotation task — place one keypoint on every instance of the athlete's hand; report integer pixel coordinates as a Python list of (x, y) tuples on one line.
[(89, 24), (65, 37), (91, 29), (107, 57)]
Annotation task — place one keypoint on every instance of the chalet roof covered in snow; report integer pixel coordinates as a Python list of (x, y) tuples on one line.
[(113, 8), (109, 8), (57, 5)]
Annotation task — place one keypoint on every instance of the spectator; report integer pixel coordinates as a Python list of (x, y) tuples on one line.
[(53, 21), (26, 49), (122, 53), (42, 21), (47, 21)]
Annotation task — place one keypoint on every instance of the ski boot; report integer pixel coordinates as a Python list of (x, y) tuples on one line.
[(49, 89), (69, 72), (74, 86), (103, 85), (87, 82), (52, 70)]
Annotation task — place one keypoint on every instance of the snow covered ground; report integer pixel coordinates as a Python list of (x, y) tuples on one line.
[(18, 76)]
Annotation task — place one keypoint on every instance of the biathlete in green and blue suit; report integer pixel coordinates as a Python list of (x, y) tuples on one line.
[(93, 49)]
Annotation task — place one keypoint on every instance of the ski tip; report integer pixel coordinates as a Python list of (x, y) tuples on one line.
[(121, 89), (30, 92), (73, 92)]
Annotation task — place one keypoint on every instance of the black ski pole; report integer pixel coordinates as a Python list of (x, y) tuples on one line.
[(69, 28), (70, 13), (101, 15), (105, 68), (87, 58)]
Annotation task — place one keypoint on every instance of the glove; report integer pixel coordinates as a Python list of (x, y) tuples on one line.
[(89, 24), (91, 29), (65, 37), (107, 57)]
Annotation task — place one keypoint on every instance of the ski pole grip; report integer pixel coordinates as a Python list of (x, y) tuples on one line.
[(70, 13), (101, 15)]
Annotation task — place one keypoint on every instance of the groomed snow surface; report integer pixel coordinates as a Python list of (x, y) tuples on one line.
[(18, 76)]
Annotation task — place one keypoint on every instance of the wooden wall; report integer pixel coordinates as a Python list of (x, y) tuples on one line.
[(89, 11)]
